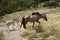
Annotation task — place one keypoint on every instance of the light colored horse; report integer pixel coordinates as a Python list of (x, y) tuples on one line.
[(34, 17), (11, 22)]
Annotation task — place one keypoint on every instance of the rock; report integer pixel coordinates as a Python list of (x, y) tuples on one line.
[(37, 38), (51, 38)]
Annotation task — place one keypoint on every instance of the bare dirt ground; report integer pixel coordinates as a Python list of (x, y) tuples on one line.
[(12, 34)]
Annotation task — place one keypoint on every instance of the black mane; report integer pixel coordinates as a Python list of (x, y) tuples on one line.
[(35, 13)]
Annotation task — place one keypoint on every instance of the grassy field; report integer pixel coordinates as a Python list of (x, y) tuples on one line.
[(47, 30)]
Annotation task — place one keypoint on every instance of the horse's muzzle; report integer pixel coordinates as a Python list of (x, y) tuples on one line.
[(46, 19)]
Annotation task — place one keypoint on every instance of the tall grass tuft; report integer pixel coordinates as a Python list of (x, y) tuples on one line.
[(25, 34), (33, 35), (54, 31), (39, 28), (1, 36)]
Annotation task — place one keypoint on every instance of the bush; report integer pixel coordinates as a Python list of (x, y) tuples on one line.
[(51, 4), (33, 35), (9, 6), (26, 33), (45, 35), (1, 17), (39, 28), (54, 31)]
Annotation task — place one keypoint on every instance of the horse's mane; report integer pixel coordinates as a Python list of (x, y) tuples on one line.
[(35, 13)]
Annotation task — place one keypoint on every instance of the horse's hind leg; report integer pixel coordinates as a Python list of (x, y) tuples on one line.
[(24, 25), (33, 24)]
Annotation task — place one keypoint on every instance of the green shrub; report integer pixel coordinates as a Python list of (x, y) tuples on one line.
[(25, 34), (1, 17), (51, 4), (54, 31), (33, 35), (45, 34), (39, 28)]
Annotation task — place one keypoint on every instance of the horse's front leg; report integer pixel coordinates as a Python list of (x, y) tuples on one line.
[(33, 24), (38, 22)]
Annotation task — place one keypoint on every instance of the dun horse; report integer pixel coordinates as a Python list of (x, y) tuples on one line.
[(34, 17), (9, 22)]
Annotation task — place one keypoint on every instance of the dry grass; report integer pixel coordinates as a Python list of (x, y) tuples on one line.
[(51, 27), (1, 36)]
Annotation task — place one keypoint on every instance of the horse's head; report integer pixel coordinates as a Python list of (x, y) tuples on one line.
[(41, 15), (44, 17)]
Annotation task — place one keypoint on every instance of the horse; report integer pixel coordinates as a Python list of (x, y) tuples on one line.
[(34, 17), (12, 21)]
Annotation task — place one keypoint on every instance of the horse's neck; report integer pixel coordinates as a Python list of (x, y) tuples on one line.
[(40, 16)]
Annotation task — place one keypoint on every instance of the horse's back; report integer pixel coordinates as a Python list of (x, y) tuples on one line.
[(33, 18)]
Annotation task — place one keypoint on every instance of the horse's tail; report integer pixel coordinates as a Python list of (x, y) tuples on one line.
[(23, 22)]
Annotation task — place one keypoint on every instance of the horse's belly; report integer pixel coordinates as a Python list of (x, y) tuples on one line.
[(32, 20)]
